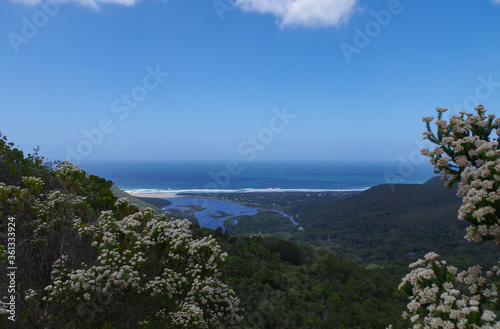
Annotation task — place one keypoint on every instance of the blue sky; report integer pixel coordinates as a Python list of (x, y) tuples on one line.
[(246, 79)]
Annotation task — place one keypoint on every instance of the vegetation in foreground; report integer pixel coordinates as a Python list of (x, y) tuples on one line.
[(78, 257), (441, 296)]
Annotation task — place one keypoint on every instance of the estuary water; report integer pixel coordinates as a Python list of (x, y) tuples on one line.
[(214, 207)]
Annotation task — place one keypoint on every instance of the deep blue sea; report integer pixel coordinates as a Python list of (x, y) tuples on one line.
[(228, 176)]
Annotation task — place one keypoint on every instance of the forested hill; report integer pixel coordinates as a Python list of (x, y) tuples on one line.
[(391, 222), (383, 224), (430, 193)]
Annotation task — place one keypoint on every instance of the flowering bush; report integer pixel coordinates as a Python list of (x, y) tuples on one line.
[(152, 261), (441, 297), (70, 176), (120, 267), (34, 184), (467, 153)]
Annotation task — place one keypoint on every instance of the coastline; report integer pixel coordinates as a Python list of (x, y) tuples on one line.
[(154, 195), (158, 193)]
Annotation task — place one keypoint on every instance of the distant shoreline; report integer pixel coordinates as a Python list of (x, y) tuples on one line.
[(155, 193)]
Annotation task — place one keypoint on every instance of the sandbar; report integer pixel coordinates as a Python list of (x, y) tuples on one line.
[(155, 195)]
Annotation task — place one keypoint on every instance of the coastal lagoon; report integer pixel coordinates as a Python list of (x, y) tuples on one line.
[(213, 213)]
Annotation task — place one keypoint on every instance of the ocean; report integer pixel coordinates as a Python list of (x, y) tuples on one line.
[(277, 176)]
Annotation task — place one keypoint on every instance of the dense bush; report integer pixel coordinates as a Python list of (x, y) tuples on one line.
[(314, 289), (79, 258), (441, 296)]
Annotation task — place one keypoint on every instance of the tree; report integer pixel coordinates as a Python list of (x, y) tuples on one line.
[(466, 153)]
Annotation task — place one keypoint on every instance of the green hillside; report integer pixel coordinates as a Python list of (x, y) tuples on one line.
[(283, 284), (383, 224), (142, 203), (387, 223)]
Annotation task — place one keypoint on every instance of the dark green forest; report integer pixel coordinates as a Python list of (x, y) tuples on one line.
[(283, 284)]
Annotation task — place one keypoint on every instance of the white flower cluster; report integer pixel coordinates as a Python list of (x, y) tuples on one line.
[(183, 286), (466, 153), (30, 293), (13, 196), (69, 174), (33, 184), (54, 211), (4, 307), (138, 259), (66, 168), (441, 297)]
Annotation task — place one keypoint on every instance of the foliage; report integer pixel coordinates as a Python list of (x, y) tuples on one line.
[(466, 154), (14, 165), (150, 263), (283, 284), (84, 259), (157, 202), (440, 297), (96, 190), (264, 223)]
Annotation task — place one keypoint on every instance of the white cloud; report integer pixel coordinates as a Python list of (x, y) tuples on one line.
[(87, 3), (305, 13), (495, 2)]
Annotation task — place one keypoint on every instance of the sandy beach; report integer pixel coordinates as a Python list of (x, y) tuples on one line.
[(155, 195)]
